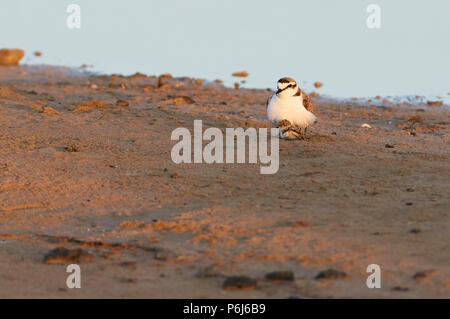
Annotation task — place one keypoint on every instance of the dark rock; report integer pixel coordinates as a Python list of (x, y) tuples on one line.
[(239, 282), (63, 255), (388, 146), (415, 231), (331, 274), (419, 275), (280, 276)]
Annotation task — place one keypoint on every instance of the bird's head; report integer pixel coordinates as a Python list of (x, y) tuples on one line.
[(287, 87)]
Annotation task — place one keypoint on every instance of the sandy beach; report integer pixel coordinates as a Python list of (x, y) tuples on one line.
[(85, 165)]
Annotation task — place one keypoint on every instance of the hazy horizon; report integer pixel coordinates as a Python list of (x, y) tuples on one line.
[(308, 40)]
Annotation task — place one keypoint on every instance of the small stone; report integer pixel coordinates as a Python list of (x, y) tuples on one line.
[(37, 53), (93, 86), (434, 103), (122, 103), (72, 149), (331, 274), (314, 94), (365, 125), (63, 255), (48, 110), (419, 275), (11, 57), (415, 231), (236, 85), (174, 175), (388, 146), (317, 84), (239, 282), (280, 276), (416, 119), (409, 204), (241, 74), (128, 264), (409, 189)]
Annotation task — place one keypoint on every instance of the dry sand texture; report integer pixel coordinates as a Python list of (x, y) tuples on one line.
[(81, 171)]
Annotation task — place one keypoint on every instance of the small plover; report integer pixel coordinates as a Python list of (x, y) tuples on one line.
[(290, 109)]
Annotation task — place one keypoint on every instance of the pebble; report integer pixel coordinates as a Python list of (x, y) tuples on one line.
[(415, 231), (63, 255), (419, 275), (331, 274), (239, 282), (280, 276), (72, 149), (122, 103), (49, 110), (317, 84), (434, 103), (389, 146), (241, 74)]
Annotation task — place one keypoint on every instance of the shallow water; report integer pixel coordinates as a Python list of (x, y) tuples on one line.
[(309, 40)]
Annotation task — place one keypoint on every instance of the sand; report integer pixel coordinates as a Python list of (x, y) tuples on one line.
[(85, 165)]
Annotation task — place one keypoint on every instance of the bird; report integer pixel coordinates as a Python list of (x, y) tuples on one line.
[(290, 109)]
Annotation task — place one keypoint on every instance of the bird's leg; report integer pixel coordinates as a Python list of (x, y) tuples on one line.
[(305, 136)]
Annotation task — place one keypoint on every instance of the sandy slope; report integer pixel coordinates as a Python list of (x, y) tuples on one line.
[(94, 175)]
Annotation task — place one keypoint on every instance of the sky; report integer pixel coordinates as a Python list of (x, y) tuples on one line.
[(325, 40)]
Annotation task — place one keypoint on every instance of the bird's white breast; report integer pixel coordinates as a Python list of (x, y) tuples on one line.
[(291, 109)]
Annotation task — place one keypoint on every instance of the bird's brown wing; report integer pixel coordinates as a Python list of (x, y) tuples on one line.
[(307, 103)]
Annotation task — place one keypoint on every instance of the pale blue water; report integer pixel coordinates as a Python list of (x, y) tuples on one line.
[(324, 40)]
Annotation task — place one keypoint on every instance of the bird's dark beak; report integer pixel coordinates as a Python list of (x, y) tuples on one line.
[(279, 91)]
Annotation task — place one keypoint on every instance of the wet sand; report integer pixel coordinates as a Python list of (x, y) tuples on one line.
[(80, 172)]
